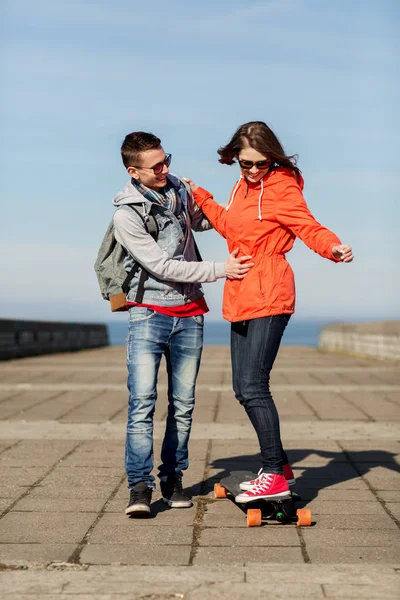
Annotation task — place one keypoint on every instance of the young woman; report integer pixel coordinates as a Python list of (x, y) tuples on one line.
[(265, 213)]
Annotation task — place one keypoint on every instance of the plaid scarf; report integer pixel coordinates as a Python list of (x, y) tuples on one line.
[(169, 198)]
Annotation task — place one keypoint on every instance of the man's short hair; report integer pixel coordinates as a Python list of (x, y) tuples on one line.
[(134, 144)]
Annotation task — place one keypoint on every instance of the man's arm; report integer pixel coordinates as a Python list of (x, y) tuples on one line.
[(129, 232)]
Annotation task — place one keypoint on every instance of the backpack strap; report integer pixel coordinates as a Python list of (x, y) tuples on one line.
[(197, 251), (182, 185), (151, 226)]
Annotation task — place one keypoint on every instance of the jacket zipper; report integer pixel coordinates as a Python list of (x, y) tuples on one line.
[(261, 289)]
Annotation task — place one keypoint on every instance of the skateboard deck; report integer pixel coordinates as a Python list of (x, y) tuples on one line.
[(282, 510)]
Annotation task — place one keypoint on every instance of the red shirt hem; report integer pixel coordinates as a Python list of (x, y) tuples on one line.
[(192, 309)]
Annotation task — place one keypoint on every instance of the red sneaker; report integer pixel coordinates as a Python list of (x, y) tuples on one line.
[(287, 473), (266, 486)]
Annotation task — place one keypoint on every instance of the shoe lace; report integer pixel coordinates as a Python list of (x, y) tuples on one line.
[(253, 481), (263, 482)]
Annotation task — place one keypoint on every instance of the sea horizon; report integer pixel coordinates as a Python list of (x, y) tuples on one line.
[(217, 333)]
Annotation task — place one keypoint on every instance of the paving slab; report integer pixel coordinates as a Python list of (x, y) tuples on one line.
[(327, 507), (118, 529), (136, 554), (347, 538), (362, 521), (334, 574), (239, 591), (385, 555), (14, 554), (58, 505), (49, 528), (268, 535), (240, 555)]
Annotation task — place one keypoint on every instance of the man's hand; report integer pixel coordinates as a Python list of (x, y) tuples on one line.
[(237, 268), (191, 183), (343, 252)]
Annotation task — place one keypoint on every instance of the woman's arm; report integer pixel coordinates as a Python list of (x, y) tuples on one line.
[(214, 212), (198, 220), (292, 212)]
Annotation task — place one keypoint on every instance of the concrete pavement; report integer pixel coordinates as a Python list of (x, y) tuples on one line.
[(63, 532)]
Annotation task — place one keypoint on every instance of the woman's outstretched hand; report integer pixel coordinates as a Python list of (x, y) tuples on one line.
[(237, 268), (343, 252), (191, 183)]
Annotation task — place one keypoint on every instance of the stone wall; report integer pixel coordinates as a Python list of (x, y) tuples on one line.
[(380, 339), (30, 338)]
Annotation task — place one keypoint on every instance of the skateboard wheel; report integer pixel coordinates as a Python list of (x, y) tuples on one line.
[(303, 517), (254, 517), (219, 491), (280, 517)]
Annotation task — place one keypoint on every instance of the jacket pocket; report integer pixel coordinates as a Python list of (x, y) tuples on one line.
[(286, 286), (162, 222)]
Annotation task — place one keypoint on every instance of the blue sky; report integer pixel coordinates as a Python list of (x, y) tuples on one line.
[(78, 75)]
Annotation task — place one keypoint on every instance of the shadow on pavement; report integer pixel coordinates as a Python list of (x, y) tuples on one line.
[(338, 467)]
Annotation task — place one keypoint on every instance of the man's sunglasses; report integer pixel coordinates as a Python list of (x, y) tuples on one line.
[(158, 168), (248, 164)]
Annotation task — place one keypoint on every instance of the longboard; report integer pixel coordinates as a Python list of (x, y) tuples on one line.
[(282, 510)]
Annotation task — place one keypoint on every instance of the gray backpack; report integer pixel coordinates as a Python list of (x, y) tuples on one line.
[(113, 279)]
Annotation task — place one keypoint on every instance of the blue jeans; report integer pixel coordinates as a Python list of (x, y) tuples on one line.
[(152, 335), (254, 346)]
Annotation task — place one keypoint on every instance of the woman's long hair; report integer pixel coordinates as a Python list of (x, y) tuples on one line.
[(259, 136)]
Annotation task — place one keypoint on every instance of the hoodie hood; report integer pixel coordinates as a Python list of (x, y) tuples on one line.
[(274, 177), (131, 195)]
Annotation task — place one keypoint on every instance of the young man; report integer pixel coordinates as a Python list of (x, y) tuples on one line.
[(168, 317)]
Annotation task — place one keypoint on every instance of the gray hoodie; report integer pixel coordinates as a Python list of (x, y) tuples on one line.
[(174, 272)]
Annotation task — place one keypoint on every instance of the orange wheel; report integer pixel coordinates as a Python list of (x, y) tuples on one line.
[(303, 517), (254, 517), (219, 491)]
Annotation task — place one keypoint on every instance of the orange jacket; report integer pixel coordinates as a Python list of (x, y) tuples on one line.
[(263, 220)]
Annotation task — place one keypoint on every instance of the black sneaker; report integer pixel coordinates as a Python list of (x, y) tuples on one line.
[(172, 493), (139, 500)]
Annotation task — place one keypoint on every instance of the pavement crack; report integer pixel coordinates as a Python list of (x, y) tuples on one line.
[(5, 567), (75, 556), (370, 487), (10, 446), (78, 406), (34, 405), (201, 508), (39, 481), (345, 398), (303, 547), (309, 405)]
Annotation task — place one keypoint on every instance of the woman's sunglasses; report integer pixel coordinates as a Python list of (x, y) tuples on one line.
[(248, 164), (158, 168)]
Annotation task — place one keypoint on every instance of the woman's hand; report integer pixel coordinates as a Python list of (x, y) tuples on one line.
[(237, 268), (191, 183), (343, 252)]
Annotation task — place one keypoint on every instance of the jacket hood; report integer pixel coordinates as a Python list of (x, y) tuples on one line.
[(131, 195), (281, 175), (277, 177)]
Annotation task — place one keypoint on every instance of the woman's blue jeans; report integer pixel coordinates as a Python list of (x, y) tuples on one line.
[(254, 346), (180, 340)]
